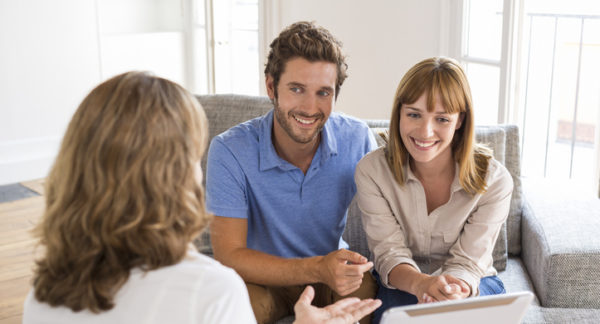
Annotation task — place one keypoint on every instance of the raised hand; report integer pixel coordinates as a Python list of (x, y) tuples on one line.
[(343, 270), (344, 311)]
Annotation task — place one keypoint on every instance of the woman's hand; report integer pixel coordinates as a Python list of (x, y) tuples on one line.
[(443, 287), (345, 311)]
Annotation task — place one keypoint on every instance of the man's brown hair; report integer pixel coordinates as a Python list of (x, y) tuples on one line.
[(306, 40)]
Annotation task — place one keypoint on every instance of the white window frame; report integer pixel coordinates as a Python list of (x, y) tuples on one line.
[(455, 46)]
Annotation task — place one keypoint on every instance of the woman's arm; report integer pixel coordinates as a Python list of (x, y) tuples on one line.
[(385, 235), (471, 255)]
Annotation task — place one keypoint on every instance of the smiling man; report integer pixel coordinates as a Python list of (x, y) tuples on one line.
[(280, 184)]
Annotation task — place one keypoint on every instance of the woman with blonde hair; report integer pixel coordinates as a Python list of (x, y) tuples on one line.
[(124, 201), (432, 200)]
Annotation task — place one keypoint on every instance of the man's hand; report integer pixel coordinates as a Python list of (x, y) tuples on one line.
[(443, 287), (345, 311), (342, 270)]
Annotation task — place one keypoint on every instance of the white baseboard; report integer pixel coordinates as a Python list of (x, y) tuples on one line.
[(22, 160)]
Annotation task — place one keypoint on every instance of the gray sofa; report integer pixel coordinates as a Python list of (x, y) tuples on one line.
[(550, 244)]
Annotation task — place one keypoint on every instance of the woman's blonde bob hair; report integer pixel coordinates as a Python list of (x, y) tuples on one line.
[(440, 77), (123, 191)]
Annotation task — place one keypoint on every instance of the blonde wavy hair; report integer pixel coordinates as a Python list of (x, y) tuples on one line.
[(444, 77), (123, 191)]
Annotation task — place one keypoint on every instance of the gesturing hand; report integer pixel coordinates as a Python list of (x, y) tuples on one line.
[(342, 270), (345, 311)]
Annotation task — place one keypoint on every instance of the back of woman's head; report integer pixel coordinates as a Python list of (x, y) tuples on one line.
[(123, 192)]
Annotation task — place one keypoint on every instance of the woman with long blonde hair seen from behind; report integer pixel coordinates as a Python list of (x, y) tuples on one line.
[(124, 201), (433, 201)]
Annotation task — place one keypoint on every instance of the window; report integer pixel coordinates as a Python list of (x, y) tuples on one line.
[(209, 46), (534, 63), (225, 46)]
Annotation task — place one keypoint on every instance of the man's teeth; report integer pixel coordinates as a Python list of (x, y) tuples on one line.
[(303, 121), (424, 144)]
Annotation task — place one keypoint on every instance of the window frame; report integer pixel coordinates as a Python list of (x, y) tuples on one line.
[(510, 63), (456, 48)]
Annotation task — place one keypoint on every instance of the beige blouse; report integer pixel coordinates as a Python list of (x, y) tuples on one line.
[(457, 238)]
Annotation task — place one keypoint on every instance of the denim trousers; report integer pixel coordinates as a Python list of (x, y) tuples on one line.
[(491, 285)]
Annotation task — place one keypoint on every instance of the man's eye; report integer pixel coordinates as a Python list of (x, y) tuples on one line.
[(323, 93), (296, 89)]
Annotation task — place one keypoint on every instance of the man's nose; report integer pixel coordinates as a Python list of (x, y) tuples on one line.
[(310, 104)]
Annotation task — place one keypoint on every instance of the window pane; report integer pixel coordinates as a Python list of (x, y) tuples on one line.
[(559, 93), (483, 28), (245, 62), (236, 46), (200, 61), (484, 81)]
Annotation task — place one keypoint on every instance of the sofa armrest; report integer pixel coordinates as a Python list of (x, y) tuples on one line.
[(561, 245)]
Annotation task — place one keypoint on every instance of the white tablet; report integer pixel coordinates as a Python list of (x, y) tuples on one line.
[(494, 309)]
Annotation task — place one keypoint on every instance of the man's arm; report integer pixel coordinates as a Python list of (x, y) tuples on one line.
[(341, 270)]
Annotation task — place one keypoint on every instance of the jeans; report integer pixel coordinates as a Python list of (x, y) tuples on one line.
[(491, 285)]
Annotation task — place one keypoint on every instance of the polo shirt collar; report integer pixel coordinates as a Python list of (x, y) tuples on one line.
[(328, 142), (268, 156)]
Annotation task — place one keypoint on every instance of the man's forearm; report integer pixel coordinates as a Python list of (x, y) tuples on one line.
[(265, 269)]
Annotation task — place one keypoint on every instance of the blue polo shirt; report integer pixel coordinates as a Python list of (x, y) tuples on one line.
[(289, 214)]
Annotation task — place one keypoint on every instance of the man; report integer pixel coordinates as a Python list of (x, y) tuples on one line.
[(279, 185)]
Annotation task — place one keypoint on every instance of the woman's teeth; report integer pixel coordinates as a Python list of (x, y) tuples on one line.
[(424, 144)]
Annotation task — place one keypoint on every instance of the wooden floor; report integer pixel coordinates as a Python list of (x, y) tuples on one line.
[(17, 218)]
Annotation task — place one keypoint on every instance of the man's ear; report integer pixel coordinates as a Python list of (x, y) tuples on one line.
[(461, 118), (270, 83)]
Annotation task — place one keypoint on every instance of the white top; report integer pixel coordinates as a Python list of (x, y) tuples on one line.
[(196, 290), (456, 238)]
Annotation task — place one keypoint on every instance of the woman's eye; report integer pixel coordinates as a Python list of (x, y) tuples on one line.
[(443, 120), (412, 115)]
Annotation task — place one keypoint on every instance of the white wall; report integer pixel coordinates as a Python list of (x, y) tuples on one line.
[(52, 53), (48, 62), (382, 39)]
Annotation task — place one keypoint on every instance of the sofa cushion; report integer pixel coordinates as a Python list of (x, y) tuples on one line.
[(512, 158), (516, 278), (561, 245), (354, 234), (494, 138)]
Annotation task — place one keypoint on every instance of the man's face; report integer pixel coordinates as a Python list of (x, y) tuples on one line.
[(304, 99)]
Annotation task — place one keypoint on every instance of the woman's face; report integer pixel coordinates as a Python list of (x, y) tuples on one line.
[(428, 135)]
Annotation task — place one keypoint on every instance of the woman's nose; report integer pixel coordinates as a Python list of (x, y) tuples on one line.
[(426, 129)]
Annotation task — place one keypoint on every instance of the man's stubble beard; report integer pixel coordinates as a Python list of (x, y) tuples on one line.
[(285, 123)]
